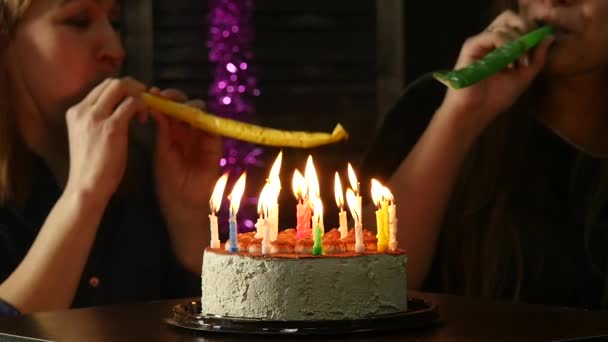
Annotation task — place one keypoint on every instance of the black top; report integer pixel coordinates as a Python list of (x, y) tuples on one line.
[(564, 247), (131, 259)]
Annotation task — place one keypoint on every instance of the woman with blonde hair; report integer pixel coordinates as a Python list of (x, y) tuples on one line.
[(87, 215)]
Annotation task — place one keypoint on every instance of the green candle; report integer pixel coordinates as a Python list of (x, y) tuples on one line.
[(317, 248)]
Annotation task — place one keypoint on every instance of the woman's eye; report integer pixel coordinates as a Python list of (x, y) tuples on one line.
[(115, 24), (79, 22)]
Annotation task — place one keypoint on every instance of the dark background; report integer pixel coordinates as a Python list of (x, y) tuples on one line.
[(318, 62)]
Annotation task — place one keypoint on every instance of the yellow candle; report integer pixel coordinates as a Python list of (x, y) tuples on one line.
[(381, 215), (385, 233)]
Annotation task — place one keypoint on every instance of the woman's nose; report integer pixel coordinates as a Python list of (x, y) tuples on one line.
[(111, 50)]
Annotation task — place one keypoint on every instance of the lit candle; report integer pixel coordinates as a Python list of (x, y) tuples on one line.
[(273, 198), (355, 185), (263, 225), (312, 182), (303, 209), (260, 225), (215, 203), (235, 200), (381, 215), (392, 221), (351, 200), (317, 248), (343, 229)]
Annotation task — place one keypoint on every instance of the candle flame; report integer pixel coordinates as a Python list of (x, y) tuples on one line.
[(351, 200), (338, 191), (312, 181), (276, 169), (388, 195), (354, 183), (298, 183), (273, 192), (218, 192), (237, 193), (318, 210), (377, 192), (264, 201)]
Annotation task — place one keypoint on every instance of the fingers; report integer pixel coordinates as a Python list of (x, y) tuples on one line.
[(511, 26), (197, 103), (126, 111), (174, 94), (478, 46), (513, 21), (114, 93), (178, 96), (539, 57), (93, 95)]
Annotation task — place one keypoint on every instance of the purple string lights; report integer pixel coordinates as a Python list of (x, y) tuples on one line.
[(232, 94)]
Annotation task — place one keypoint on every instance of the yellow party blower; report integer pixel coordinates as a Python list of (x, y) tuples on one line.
[(241, 130)]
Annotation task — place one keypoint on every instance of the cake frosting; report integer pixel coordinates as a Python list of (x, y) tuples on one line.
[(292, 284)]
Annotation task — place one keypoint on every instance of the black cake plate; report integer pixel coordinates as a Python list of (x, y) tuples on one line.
[(420, 314)]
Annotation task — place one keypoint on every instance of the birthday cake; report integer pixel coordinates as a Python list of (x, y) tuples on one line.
[(291, 283)]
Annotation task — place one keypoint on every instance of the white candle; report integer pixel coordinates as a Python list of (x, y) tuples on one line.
[(343, 229), (343, 224), (214, 204), (351, 199), (359, 245), (263, 225), (312, 183), (354, 183), (392, 224), (259, 228), (274, 222), (266, 239), (215, 240), (274, 181)]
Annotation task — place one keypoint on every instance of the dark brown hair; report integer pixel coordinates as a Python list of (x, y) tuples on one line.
[(14, 159)]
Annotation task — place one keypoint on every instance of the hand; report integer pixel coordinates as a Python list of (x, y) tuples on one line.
[(484, 101), (98, 136), (186, 162)]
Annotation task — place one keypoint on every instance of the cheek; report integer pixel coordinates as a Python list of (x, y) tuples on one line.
[(54, 70)]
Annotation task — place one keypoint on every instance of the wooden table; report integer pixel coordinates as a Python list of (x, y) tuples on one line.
[(462, 319)]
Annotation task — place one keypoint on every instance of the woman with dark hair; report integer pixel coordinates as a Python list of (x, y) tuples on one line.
[(505, 194)]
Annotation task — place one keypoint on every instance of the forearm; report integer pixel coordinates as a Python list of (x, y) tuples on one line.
[(48, 276), (423, 184)]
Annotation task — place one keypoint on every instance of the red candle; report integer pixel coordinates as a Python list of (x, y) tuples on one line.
[(303, 208)]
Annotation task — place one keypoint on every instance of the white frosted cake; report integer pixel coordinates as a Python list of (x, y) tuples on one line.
[(292, 284)]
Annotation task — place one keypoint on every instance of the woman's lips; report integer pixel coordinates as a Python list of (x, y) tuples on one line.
[(560, 31)]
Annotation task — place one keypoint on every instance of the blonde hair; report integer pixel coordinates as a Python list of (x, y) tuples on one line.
[(13, 180)]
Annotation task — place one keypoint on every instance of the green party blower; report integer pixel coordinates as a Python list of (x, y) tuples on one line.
[(494, 61)]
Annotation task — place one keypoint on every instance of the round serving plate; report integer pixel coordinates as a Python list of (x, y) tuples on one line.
[(420, 314)]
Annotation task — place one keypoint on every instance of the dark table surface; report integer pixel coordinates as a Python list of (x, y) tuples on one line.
[(461, 318)]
